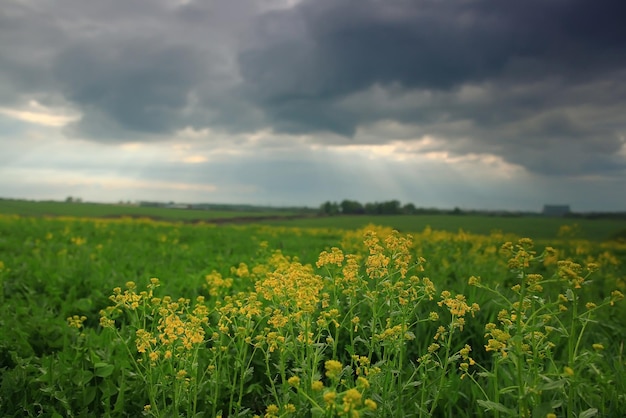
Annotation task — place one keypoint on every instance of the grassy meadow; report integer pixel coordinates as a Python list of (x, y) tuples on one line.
[(319, 317)]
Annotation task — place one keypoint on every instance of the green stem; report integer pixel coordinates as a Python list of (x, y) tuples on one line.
[(519, 362), (269, 376), (444, 368), (572, 351), (496, 394)]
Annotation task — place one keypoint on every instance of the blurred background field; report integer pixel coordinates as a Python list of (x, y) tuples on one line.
[(536, 226)]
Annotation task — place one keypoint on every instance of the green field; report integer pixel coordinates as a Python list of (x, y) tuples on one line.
[(533, 226), (96, 210), (125, 317)]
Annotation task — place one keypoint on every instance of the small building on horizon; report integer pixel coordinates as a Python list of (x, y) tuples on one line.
[(556, 210)]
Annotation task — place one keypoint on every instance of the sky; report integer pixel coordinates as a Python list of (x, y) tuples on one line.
[(477, 104)]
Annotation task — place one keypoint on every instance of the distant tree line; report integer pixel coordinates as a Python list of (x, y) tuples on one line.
[(394, 207), (71, 199), (389, 207)]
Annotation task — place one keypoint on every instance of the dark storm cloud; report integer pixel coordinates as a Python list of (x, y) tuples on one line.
[(552, 74), (346, 46), (539, 83), (140, 85), (136, 69), (26, 37)]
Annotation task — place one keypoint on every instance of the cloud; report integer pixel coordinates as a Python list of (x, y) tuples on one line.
[(536, 88), (521, 81), (331, 48), (137, 86)]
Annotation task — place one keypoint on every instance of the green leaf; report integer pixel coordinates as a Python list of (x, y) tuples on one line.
[(82, 377), (108, 388), (553, 384), (494, 406), (316, 412), (90, 394), (591, 412), (120, 401), (103, 369)]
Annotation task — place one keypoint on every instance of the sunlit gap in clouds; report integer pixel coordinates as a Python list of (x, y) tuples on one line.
[(378, 164), (38, 114), (423, 171)]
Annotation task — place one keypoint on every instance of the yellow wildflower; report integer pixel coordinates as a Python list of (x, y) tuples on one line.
[(271, 411), (144, 340), (474, 281), (317, 385), (76, 321), (351, 399), (433, 347), (329, 397), (362, 382), (334, 257), (333, 368)]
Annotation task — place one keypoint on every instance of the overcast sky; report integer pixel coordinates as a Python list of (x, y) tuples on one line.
[(478, 104)]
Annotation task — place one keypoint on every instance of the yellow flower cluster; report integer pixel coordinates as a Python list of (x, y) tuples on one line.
[(570, 272), (467, 360), (144, 340), (175, 326), (521, 254), (458, 308), (333, 369), (273, 411), (400, 247), (394, 333), (498, 340), (616, 295), (377, 262), (533, 283), (334, 257), (216, 283), (176, 323), (351, 403), (292, 285), (76, 321)]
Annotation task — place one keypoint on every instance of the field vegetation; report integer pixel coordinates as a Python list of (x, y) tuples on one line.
[(538, 227), (138, 317), (100, 210), (591, 227)]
